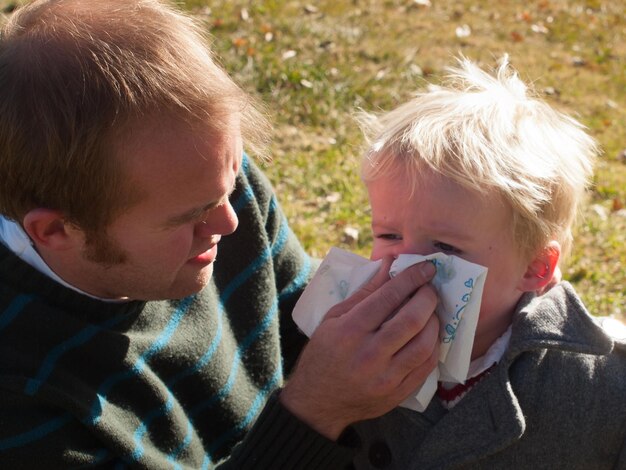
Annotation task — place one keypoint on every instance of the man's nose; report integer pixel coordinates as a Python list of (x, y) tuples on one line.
[(222, 220)]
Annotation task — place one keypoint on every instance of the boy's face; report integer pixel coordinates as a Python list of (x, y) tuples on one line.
[(439, 215)]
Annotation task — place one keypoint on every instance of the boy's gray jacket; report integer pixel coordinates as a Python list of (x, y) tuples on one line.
[(556, 400)]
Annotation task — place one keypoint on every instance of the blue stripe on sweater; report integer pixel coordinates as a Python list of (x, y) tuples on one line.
[(35, 433), (298, 282), (206, 357), (245, 164), (226, 293), (138, 451), (48, 364), (182, 446), (32, 386), (244, 345), (249, 339), (157, 345), (243, 199), (206, 462), (14, 309), (253, 411)]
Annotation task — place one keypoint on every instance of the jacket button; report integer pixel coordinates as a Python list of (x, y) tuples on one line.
[(379, 454)]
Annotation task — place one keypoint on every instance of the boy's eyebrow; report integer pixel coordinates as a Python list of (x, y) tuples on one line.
[(439, 230)]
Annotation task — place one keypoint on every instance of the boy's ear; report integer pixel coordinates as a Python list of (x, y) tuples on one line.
[(48, 229), (541, 269)]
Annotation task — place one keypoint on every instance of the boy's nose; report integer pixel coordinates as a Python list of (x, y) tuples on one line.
[(414, 248)]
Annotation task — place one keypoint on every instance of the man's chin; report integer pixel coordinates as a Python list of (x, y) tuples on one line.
[(189, 287)]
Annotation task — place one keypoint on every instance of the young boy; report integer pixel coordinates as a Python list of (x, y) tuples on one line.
[(480, 170)]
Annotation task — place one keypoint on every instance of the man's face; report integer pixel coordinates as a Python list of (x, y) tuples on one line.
[(164, 246), (442, 216)]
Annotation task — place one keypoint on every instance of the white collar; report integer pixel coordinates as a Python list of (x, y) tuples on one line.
[(492, 356)]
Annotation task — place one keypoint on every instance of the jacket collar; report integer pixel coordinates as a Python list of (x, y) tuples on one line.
[(557, 320), (491, 418)]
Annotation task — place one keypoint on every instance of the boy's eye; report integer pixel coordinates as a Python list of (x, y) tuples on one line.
[(389, 236), (446, 248)]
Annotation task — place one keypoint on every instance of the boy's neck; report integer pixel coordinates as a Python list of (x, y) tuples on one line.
[(488, 335)]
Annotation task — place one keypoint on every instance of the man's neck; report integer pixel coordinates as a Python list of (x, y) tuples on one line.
[(13, 236)]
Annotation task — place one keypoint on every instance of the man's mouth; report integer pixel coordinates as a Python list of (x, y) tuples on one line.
[(205, 257)]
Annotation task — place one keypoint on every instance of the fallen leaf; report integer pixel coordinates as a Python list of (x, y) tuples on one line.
[(516, 37), (240, 42)]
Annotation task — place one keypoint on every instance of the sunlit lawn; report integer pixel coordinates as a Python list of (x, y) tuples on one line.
[(315, 63)]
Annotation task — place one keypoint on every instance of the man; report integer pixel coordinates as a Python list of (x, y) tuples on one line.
[(124, 341)]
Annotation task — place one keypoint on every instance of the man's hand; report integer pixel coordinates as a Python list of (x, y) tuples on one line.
[(369, 353)]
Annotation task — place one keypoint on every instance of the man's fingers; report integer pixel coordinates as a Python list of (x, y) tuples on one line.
[(381, 276), (417, 351), (380, 304), (416, 376), (408, 322)]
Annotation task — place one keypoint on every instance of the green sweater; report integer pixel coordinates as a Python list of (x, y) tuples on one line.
[(167, 384)]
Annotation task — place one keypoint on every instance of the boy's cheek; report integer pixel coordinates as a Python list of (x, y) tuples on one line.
[(374, 255), (379, 251)]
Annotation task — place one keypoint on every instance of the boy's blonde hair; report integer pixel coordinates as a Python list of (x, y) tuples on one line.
[(485, 133)]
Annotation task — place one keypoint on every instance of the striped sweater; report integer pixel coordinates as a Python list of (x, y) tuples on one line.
[(167, 384)]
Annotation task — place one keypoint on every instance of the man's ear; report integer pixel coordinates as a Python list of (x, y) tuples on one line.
[(541, 269), (48, 229)]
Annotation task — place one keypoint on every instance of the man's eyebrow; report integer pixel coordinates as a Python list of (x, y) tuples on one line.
[(190, 214), (196, 212)]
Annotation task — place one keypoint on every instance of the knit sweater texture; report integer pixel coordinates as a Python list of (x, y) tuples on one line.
[(556, 400), (162, 384)]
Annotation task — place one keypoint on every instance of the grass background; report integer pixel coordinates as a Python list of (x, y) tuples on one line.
[(315, 63)]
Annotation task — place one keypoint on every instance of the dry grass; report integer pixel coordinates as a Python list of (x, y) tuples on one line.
[(314, 64), (374, 54)]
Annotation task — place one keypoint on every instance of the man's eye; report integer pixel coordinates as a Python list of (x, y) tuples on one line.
[(446, 248)]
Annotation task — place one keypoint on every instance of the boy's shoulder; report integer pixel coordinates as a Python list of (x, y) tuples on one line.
[(615, 329), (559, 320)]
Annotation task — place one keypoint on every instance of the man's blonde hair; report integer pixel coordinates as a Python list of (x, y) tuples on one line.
[(77, 75), (487, 134)]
